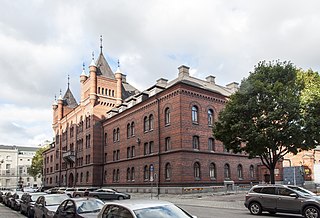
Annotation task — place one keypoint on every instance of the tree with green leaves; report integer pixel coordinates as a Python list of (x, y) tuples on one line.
[(36, 167), (275, 111)]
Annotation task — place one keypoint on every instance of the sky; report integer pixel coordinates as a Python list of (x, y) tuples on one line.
[(44, 41)]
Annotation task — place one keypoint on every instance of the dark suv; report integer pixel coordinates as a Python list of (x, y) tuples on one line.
[(284, 199)]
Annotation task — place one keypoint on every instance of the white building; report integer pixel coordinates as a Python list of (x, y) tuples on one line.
[(14, 164)]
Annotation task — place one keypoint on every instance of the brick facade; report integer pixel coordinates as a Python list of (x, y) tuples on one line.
[(162, 135)]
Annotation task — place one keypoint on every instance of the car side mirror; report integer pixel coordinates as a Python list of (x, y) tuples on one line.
[(294, 195)]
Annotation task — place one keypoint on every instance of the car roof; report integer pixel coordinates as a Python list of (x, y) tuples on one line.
[(136, 204), (55, 195)]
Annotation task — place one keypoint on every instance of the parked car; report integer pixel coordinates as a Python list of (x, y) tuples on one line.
[(27, 202), (15, 200), (6, 198), (1, 195), (79, 208), (80, 192), (284, 199), (142, 209), (52, 190), (69, 191), (47, 205), (108, 194)]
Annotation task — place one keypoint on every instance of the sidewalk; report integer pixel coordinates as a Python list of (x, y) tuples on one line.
[(216, 200), (6, 212)]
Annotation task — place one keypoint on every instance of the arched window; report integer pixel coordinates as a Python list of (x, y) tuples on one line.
[(118, 175), (118, 134), (128, 130), (102, 91), (81, 177), (151, 122), (132, 174), (167, 144), (251, 171), (109, 92), (211, 144), (195, 142), (226, 171), (132, 129), (62, 179), (112, 93), (145, 124), (167, 116), (212, 171), (195, 114), (114, 135), (114, 176), (98, 90), (210, 117), (168, 171), (196, 169), (146, 172), (87, 177), (239, 171), (128, 174), (105, 139)]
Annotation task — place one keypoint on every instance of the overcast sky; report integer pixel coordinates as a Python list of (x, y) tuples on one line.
[(41, 42)]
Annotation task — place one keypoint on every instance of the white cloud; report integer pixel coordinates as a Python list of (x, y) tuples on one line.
[(41, 42)]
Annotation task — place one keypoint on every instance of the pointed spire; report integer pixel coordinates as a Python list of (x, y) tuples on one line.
[(92, 62), (55, 100), (68, 81), (60, 96), (118, 69), (83, 70), (101, 44)]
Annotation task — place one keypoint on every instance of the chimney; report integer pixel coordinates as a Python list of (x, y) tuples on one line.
[(162, 82), (211, 79), (183, 71), (233, 86)]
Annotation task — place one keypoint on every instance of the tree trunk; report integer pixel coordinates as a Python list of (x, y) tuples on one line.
[(272, 178)]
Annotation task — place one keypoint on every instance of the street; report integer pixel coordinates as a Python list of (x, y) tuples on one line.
[(210, 212)]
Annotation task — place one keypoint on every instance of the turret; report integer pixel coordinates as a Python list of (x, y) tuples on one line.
[(54, 110), (83, 78), (60, 107), (93, 82), (118, 76)]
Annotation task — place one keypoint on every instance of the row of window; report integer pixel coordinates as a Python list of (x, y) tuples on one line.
[(148, 122), (108, 92), (148, 172)]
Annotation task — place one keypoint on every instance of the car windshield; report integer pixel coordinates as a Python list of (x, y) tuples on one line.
[(167, 211), (34, 197), (89, 206), (302, 191), (55, 200)]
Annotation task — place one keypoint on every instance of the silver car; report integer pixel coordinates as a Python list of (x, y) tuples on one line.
[(284, 199), (47, 205), (143, 209)]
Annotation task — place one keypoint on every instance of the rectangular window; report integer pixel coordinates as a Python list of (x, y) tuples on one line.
[(128, 152), (151, 147), (146, 148), (133, 151)]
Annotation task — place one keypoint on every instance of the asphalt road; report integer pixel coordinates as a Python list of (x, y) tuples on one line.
[(209, 212)]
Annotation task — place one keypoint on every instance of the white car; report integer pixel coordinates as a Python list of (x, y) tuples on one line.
[(142, 209)]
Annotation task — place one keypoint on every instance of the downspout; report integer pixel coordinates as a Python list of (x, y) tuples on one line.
[(159, 155)]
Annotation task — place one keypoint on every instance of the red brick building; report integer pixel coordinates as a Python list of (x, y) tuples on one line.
[(120, 137)]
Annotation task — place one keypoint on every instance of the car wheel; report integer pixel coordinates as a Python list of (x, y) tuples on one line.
[(120, 198), (255, 208), (311, 212), (77, 196)]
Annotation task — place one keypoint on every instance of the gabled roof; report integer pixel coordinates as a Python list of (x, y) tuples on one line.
[(103, 68), (69, 99)]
